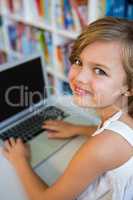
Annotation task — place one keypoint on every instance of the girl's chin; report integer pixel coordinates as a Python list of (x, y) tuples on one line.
[(83, 101)]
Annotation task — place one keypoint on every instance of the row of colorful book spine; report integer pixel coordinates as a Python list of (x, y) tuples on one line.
[(32, 8), (27, 40), (67, 14), (119, 8)]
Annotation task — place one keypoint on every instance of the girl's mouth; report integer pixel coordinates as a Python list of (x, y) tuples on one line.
[(81, 92)]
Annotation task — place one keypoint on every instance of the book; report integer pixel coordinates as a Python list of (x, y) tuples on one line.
[(2, 42), (77, 24), (116, 8), (101, 8), (18, 7), (66, 49), (48, 48), (10, 5), (68, 17), (15, 7), (47, 11), (119, 7), (109, 7), (12, 34), (51, 84), (93, 10), (40, 7), (27, 39), (59, 14), (129, 13), (62, 56), (3, 57), (80, 9), (30, 11)]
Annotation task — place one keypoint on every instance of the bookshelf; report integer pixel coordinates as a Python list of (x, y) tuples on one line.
[(49, 26), (30, 26)]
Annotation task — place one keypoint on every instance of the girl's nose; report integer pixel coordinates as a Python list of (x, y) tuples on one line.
[(84, 76)]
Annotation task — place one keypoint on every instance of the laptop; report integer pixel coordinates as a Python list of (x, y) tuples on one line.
[(24, 102)]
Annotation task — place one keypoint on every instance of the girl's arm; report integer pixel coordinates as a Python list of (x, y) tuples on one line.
[(62, 129), (100, 154)]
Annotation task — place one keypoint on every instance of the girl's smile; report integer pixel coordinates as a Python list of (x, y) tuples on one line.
[(81, 91)]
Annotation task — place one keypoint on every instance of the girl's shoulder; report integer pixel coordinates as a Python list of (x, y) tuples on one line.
[(112, 148), (115, 148), (116, 136)]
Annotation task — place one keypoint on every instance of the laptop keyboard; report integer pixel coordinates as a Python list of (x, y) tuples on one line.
[(32, 126)]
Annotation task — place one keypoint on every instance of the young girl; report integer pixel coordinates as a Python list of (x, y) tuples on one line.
[(101, 77)]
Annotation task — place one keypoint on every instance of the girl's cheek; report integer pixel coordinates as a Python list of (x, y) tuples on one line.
[(73, 72), (98, 86), (102, 92), (72, 75), (97, 89)]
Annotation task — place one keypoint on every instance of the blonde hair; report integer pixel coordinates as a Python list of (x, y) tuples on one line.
[(110, 29)]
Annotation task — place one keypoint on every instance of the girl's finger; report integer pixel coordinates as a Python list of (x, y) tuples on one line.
[(48, 122), (54, 122), (5, 152), (55, 134), (7, 145), (51, 127), (21, 143), (12, 141), (27, 146), (19, 140), (52, 134)]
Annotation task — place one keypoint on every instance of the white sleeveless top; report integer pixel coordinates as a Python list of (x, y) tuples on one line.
[(116, 184)]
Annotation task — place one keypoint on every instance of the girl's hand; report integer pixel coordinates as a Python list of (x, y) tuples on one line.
[(16, 151), (60, 129)]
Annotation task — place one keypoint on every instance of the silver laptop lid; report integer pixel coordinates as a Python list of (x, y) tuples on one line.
[(23, 88)]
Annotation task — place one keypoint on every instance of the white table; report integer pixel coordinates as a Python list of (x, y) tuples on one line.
[(49, 170)]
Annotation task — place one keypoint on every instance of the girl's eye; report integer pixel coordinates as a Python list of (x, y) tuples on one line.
[(77, 62), (99, 71)]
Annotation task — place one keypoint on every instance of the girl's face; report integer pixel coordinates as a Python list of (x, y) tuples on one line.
[(97, 77)]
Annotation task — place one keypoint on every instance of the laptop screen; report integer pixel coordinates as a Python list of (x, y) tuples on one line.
[(21, 86)]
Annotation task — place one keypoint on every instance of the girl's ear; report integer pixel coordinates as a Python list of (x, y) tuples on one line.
[(124, 90), (129, 93), (132, 92)]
